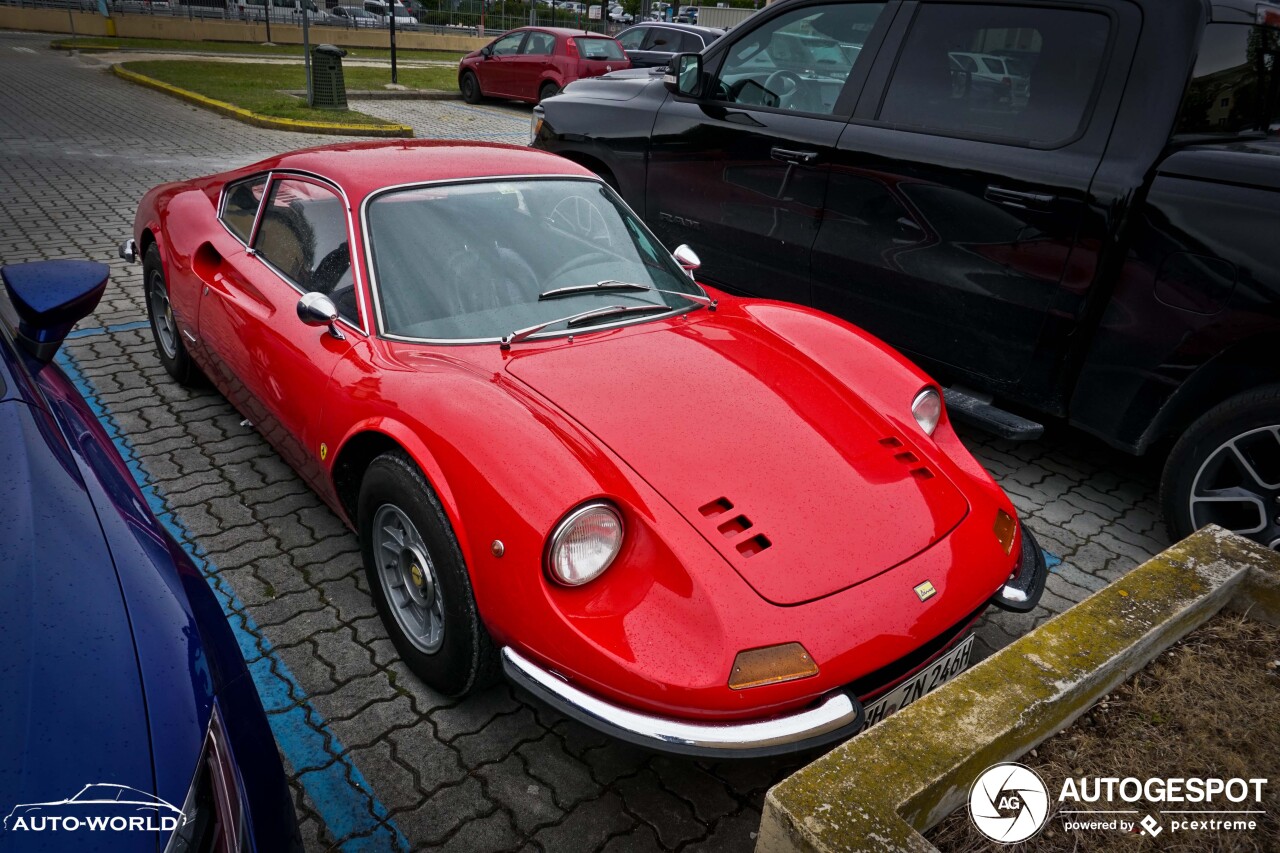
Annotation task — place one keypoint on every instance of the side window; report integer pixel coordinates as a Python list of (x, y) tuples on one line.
[(508, 45), (303, 234), (539, 44), (659, 39), (632, 39), (1235, 86), (686, 43), (240, 206), (1017, 74), (800, 60)]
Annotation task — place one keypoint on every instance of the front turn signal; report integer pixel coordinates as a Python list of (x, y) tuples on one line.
[(1006, 528), (771, 665)]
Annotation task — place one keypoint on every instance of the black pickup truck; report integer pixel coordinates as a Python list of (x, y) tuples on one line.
[(1067, 208)]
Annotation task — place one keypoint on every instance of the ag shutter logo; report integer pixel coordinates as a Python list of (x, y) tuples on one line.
[(1009, 803), (101, 807)]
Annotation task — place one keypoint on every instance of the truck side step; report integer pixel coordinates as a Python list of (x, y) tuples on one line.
[(970, 409)]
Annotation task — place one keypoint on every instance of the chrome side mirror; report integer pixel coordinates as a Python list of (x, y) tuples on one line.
[(687, 258), (316, 309)]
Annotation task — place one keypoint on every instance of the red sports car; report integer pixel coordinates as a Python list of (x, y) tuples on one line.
[(710, 525), (533, 63)]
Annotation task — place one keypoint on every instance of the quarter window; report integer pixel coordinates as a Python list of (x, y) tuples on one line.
[(1235, 87), (800, 60), (1015, 74), (303, 234), (240, 206)]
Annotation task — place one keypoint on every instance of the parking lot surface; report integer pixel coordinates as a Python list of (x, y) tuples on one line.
[(378, 761)]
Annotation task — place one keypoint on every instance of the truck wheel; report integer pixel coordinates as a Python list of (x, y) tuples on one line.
[(470, 87), (1225, 470)]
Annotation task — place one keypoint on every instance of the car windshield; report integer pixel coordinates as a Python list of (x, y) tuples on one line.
[(468, 261)]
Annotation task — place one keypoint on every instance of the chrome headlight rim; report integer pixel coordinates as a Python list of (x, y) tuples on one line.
[(924, 397), (566, 525)]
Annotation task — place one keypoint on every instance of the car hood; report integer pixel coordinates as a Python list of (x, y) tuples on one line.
[(791, 476), (73, 712), (617, 85)]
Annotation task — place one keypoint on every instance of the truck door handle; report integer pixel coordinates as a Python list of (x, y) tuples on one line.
[(1018, 198), (787, 155)]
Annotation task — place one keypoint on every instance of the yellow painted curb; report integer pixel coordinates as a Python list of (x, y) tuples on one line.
[(259, 120)]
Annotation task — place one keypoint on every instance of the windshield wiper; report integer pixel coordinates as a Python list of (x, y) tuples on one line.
[(612, 285), (579, 319)]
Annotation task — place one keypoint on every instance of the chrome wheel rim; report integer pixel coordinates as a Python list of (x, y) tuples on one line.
[(162, 316), (409, 579), (1238, 487)]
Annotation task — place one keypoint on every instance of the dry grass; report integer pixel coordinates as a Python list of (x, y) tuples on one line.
[(1209, 707)]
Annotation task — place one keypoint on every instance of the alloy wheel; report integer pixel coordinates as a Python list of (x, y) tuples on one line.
[(1238, 486), (409, 578)]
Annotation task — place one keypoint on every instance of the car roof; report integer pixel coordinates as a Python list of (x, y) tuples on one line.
[(364, 167), (693, 28), (560, 31)]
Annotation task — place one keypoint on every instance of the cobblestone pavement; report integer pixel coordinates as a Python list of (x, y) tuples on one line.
[(378, 761), (490, 121)]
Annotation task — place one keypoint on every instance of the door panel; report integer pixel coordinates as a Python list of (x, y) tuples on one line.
[(741, 174), (261, 352), (497, 73), (958, 207)]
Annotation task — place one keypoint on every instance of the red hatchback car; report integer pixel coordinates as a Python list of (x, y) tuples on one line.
[(533, 63), (706, 524)]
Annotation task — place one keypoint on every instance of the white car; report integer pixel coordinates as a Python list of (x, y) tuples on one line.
[(998, 75), (404, 18)]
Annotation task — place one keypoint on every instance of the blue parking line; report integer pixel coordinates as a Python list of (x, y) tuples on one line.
[(102, 330), (342, 796)]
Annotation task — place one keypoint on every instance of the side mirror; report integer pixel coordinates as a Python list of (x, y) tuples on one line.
[(486, 52), (687, 258), (49, 298), (684, 75), (316, 309)]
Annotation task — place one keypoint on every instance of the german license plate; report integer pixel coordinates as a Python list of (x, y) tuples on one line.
[(934, 676)]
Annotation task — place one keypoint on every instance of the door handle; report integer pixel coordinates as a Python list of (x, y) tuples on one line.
[(788, 155), (1018, 198)]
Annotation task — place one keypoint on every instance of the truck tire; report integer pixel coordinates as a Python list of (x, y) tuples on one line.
[(1225, 470)]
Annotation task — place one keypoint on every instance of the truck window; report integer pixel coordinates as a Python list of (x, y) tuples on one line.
[(1014, 74), (799, 60), (1235, 87)]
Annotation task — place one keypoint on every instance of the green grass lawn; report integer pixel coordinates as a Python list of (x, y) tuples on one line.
[(176, 46), (256, 87)]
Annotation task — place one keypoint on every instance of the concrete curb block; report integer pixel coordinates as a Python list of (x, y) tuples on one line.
[(259, 120), (881, 789)]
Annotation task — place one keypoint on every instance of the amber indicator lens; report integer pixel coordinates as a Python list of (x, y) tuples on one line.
[(1006, 528), (771, 665)]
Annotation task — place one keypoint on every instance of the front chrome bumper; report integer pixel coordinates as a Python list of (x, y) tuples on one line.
[(838, 716)]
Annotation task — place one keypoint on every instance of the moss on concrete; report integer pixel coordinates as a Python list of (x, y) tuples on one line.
[(875, 791)]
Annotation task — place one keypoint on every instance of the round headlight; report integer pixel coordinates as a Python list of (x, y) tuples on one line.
[(585, 543), (927, 410)]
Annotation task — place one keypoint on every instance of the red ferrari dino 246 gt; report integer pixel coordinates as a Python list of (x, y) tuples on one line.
[(705, 524)]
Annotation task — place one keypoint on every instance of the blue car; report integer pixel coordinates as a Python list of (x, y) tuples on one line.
[(128, 720)]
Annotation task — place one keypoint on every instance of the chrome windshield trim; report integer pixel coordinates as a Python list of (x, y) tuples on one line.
[(838, 715), (379, 327)]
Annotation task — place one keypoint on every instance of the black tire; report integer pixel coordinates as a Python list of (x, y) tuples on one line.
[(470, 88), (548, 90), (1202, 464), (466, 658), (170, 348)]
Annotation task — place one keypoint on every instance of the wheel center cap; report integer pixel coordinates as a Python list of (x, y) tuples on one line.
[(419, 581)]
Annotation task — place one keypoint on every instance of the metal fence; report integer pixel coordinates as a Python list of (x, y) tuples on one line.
[(447, 17)]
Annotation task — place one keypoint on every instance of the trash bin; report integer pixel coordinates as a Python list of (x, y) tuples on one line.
[(328, 89)]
